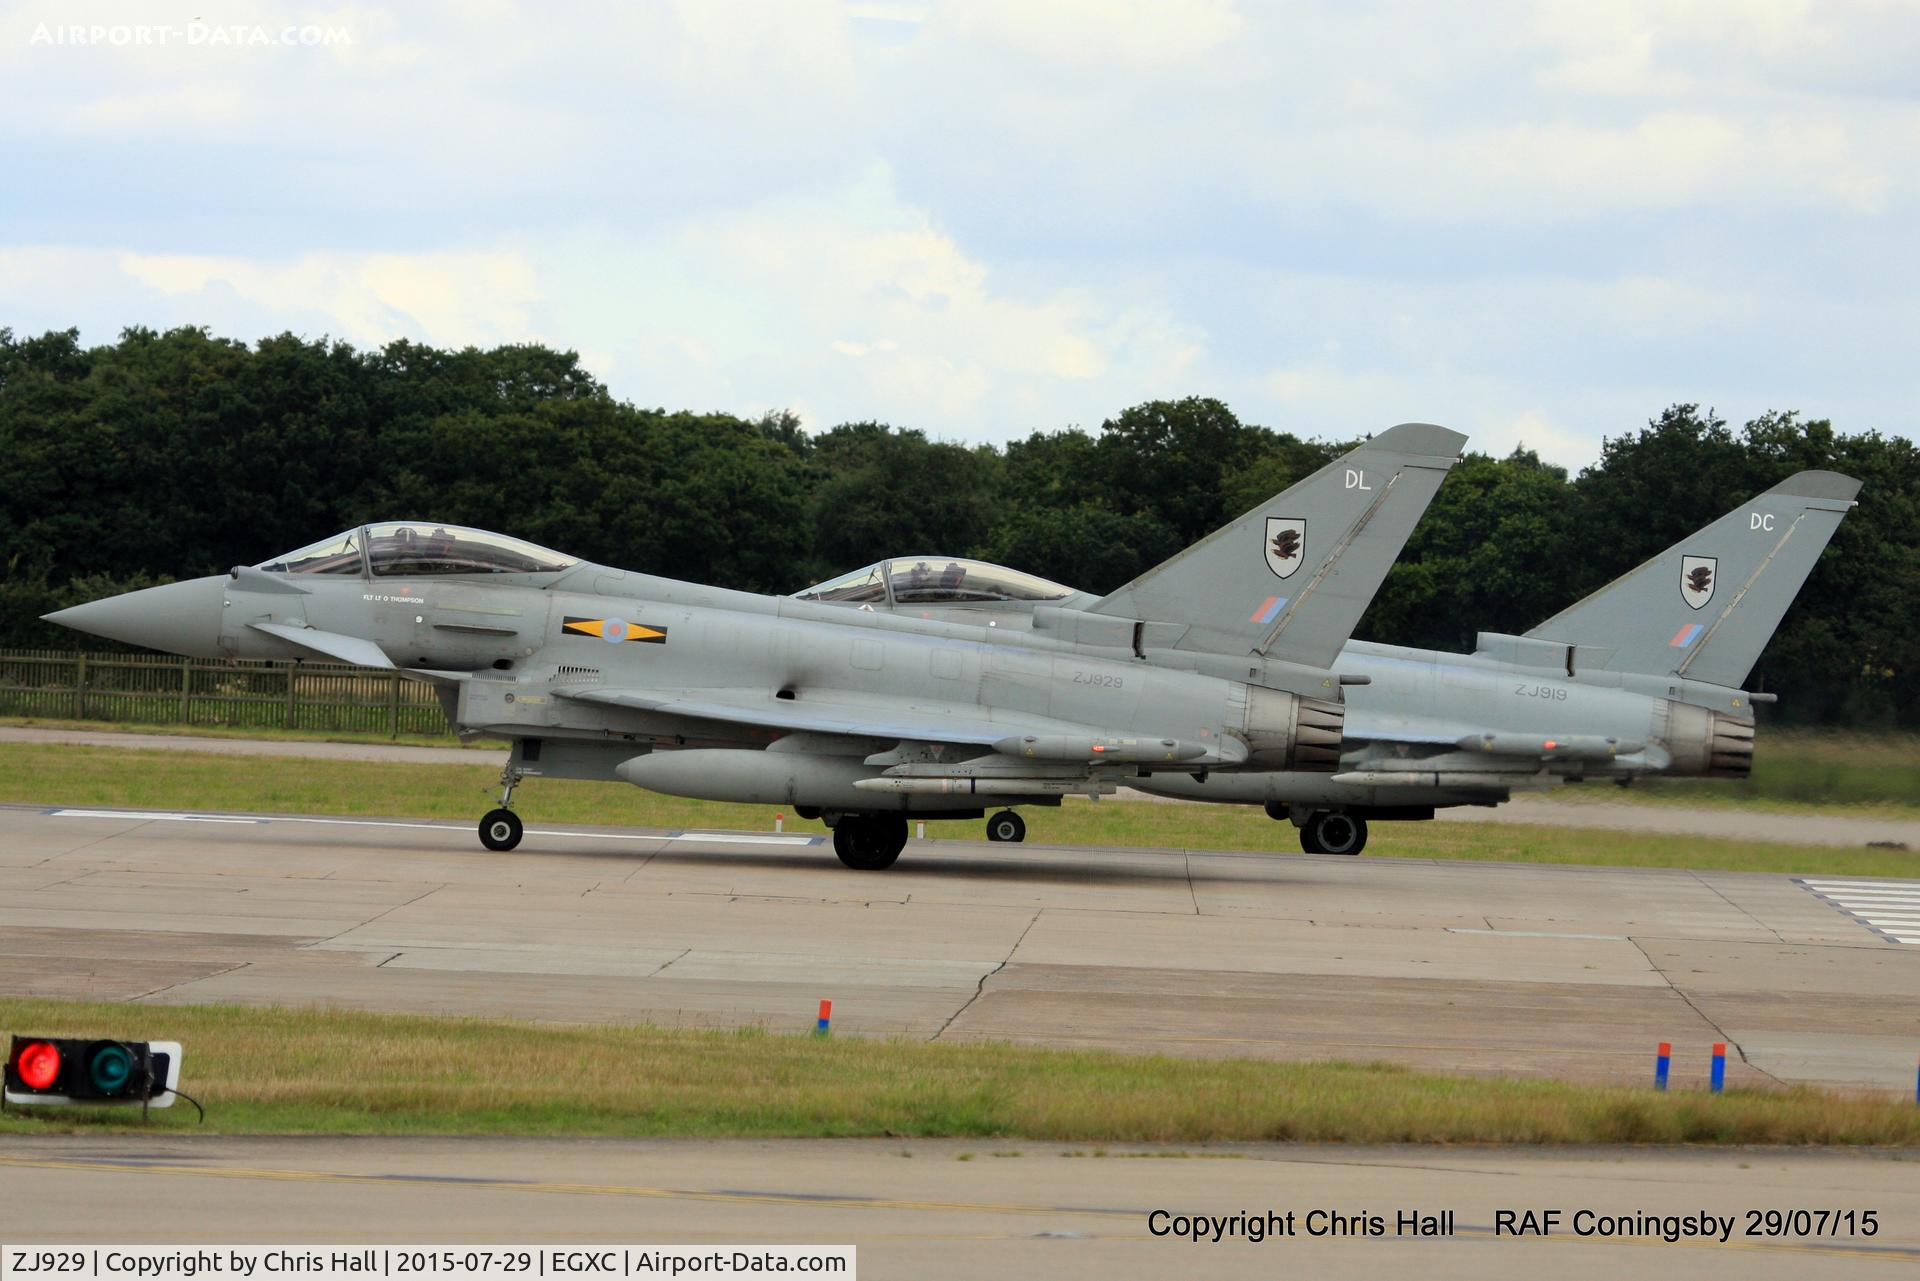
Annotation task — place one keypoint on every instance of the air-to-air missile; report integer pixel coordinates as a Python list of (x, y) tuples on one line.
[(1642, 678), (1216, 662)]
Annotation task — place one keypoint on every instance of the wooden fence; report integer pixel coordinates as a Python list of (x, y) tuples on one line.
[(154, 690)]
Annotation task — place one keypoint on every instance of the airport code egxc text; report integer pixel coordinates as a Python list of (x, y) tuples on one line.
[(460, 1263)]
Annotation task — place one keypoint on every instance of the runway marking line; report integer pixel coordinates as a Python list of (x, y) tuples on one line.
[(168, 816), (1536, 934), (1890, 909), (1473, 1231)]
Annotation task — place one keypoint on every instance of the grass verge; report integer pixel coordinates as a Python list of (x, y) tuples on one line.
[(266, 734), (316, 1071), (154, 779)]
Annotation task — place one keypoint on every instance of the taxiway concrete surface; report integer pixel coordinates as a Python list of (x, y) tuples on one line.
[(917, 1209), (1478, 967)]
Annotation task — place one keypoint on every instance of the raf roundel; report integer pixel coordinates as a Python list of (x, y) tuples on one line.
[(614, 630)]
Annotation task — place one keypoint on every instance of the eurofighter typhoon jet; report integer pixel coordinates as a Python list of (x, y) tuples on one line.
[(1217, 661), (1640, 679)]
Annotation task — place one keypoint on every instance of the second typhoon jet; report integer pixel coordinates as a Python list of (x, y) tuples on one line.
[(1641, 679)]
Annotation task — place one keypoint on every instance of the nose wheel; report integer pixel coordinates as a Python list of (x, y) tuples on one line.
[(1006, 826), (501, 830)]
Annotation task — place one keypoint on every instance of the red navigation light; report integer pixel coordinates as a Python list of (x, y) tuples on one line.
[(1549, 745), (39, 1065)]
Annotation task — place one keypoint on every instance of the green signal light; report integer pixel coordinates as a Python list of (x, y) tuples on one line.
[(110, 1068)]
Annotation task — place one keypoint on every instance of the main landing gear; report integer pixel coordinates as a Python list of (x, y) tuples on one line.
[(1333, 832), (869, 842), (502, 829), (1006, 826)]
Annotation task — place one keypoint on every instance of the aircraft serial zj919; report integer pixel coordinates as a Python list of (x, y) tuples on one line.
[(1218, 660), (1641, 679)]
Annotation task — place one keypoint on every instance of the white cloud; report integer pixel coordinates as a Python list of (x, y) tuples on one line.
[(452, 299), (923, 333), (1533, 430), (1112, 37), (1527, 220)]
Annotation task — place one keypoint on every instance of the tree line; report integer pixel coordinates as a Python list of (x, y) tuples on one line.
[(176, 454)]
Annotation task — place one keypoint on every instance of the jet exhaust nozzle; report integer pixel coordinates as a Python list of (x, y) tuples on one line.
[(1705, 743), (1292, 732)]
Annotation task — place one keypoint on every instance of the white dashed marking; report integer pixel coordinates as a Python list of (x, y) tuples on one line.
[(1890, 909), (156, 816)]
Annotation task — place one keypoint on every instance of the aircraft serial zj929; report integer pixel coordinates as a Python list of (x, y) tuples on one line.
[(1216, 661), (1640, 679)]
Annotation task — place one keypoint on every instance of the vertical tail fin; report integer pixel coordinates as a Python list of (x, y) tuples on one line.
[(1707, 606), (1290, 579)]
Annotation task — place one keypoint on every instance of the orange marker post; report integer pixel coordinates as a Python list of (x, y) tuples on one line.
[(826, 1016)]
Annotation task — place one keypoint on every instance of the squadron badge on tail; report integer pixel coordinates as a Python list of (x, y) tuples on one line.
[(1286, 539), (1697, 579)]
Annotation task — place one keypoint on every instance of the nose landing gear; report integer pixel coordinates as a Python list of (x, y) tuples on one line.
[(501, 829)]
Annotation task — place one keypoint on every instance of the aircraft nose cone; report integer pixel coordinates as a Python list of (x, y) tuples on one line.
[(178, 618)]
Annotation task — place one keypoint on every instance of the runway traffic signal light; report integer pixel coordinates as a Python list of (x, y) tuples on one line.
[(50, 1069)]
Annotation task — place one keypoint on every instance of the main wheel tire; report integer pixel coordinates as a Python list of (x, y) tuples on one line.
[(1338, 833), (1007, 826), (870, 842), (1309, 840), (501, 830)]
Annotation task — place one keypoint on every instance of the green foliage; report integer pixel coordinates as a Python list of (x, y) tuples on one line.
[(181, 454), (1089, 544), (879, 491), (1486, 557)]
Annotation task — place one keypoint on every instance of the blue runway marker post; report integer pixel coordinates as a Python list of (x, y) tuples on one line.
[(826, 1016), (1916, 1087), (1661, 1062), (1719, 1082)]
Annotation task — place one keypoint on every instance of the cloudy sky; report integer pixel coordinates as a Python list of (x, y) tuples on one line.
[(1538, 223)]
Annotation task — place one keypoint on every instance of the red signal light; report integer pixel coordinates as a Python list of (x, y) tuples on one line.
[(39, 1065)]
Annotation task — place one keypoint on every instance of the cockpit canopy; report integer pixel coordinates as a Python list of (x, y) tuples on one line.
[(934, 580), (415, 549)]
